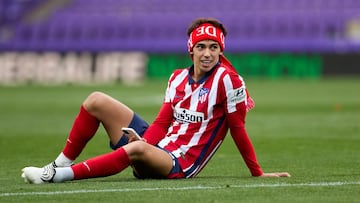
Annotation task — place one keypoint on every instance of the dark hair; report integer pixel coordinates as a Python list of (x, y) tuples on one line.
[(197, 22)]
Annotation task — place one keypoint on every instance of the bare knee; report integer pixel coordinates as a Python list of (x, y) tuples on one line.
[(136, 150), (94, 101)]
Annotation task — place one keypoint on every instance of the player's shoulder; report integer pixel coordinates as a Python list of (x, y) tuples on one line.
[(230, 75), (180, 70), (229, 70), (179, 74)]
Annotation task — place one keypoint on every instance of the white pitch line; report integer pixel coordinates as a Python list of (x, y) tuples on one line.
[(320, 184)]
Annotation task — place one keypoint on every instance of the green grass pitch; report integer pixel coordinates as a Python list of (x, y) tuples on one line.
[(310, 128)]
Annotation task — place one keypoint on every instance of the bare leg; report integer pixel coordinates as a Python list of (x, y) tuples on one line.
[(111, 113), (97, 108), (149, 160)]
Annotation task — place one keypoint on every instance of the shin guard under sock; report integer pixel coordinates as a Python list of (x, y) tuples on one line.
[(83, 129)]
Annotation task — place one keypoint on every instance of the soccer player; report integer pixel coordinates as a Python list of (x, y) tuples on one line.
[(202, 102)]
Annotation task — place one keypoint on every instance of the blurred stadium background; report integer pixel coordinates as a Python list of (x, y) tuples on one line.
[(102, 41), (296, 56)]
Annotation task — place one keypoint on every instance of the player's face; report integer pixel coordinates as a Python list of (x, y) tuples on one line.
[(206, 54)]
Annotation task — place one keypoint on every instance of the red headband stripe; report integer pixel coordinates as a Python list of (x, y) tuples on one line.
[(206, 31)]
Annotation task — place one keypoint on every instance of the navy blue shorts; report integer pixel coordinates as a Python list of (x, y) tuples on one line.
[(138, 124), (175, 173)]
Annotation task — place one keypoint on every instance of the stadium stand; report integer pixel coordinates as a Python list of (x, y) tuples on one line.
[(157, 26)]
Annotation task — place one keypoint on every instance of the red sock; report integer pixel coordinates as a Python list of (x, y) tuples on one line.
[(103, 165), (83, 129)]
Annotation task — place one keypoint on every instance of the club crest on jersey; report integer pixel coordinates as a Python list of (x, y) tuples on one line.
[(203, 94), (237, 95)]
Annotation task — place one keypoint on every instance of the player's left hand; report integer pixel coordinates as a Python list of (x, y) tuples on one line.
[(276, 174)]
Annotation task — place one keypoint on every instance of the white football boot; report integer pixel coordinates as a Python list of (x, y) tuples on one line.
[(37, 175)]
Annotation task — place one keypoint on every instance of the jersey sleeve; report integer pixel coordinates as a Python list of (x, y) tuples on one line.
[(243, 143), (236, 108), (158, 129)]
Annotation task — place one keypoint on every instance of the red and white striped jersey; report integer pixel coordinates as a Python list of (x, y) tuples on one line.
[(196, 116)]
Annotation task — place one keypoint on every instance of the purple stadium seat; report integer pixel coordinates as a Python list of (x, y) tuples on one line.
[(160, 26)]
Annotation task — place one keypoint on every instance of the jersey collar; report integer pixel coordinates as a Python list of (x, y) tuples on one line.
[(203, 79)]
